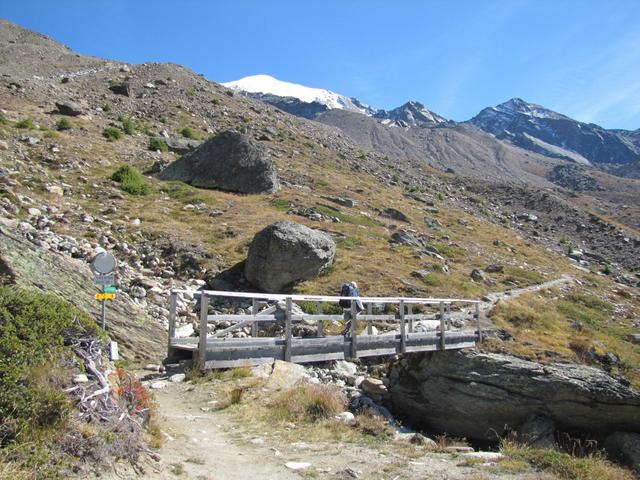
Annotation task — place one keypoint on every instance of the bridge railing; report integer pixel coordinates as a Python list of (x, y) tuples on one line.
[(405, 316)]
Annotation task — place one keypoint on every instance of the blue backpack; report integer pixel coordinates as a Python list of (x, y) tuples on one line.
[(347, 291)]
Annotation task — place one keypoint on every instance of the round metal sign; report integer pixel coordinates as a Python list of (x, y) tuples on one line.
[(104, 263)]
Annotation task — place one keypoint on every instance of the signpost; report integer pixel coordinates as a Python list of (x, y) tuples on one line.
[(104, 265)]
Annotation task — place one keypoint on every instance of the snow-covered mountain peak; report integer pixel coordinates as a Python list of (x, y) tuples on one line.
[(268, 85), (519, 106)]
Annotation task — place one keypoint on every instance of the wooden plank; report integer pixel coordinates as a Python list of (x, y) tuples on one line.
[(214, 364), (478, 322), (242, 318), (403, 333), (442, 327), (202, 344), (173, 305), (287, 331), (320, 357), (354, 330), (369, 321), (311, 318), (320, 320), (409, 317), (254, 311), (377, 352)]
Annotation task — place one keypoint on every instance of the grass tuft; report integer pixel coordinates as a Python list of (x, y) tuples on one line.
[(131, 180)]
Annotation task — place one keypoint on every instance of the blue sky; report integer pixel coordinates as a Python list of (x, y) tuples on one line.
[(578, 57)]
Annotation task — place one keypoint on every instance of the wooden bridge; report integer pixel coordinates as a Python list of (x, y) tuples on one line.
[(217, 350)]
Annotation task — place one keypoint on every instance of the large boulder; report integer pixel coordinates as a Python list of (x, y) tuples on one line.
[(69, 108), (625, 447), (287, 252), (481, 395), (229, 161)]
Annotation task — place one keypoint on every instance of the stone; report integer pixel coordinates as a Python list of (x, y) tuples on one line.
[(477, 275), (69, 108), (420, 273), (161, 385), (538, 432), (4, 145), (395, 214), (345, 202), (285, 375), (419, 439), (80, 378), (55, 190), (121, 88), (347, 418), (494, 268), (459, 449), (486, 456), (484, 395), (403, 237), (373, 386), (297, 465), (177, 378), (624, 447), (152, 367), (181, 145), (287, 252), (345, 368), (184, 331), (229, 161), (34, 212)]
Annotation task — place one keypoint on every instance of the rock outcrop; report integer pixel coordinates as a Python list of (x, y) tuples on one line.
[(625, 447), (287, 252), (482, 396), (69, 108), (230, 161), (22, 263)]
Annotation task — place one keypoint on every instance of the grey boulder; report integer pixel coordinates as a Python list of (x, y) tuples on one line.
[(71, 109), (625, 447), (286, 252), (182, 145), (230, 161), (484, 395)]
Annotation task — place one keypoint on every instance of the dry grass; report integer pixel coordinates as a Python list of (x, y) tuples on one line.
[(579, 325), (562, 465), (308, 403)]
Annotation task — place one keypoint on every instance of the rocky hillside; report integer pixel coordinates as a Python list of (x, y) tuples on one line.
[(69, 125)]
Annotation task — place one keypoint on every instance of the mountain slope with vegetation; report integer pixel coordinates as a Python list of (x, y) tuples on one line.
[(82, 141)]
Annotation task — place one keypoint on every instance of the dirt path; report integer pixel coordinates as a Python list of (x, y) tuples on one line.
[(205, 444), (209, 445)]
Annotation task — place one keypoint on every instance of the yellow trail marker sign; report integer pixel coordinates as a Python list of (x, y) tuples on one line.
[(105, 296)]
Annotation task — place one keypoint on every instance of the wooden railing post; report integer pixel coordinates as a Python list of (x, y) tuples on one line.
[(320, 322), (202, 343), (478, 322), (448, 316), (354, 330), (173, 305), (403, 334), (369, 322), (442, 327), (410, 312), (254, 312), (287, 332)]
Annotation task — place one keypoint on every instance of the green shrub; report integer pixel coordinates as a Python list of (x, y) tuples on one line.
[(187, 132), (34, 327), (26, 123), (131, 180), (106, 107), (158, 144), (51, 134), (128, 126), (64, 124), (3, 119), (111, 134)]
